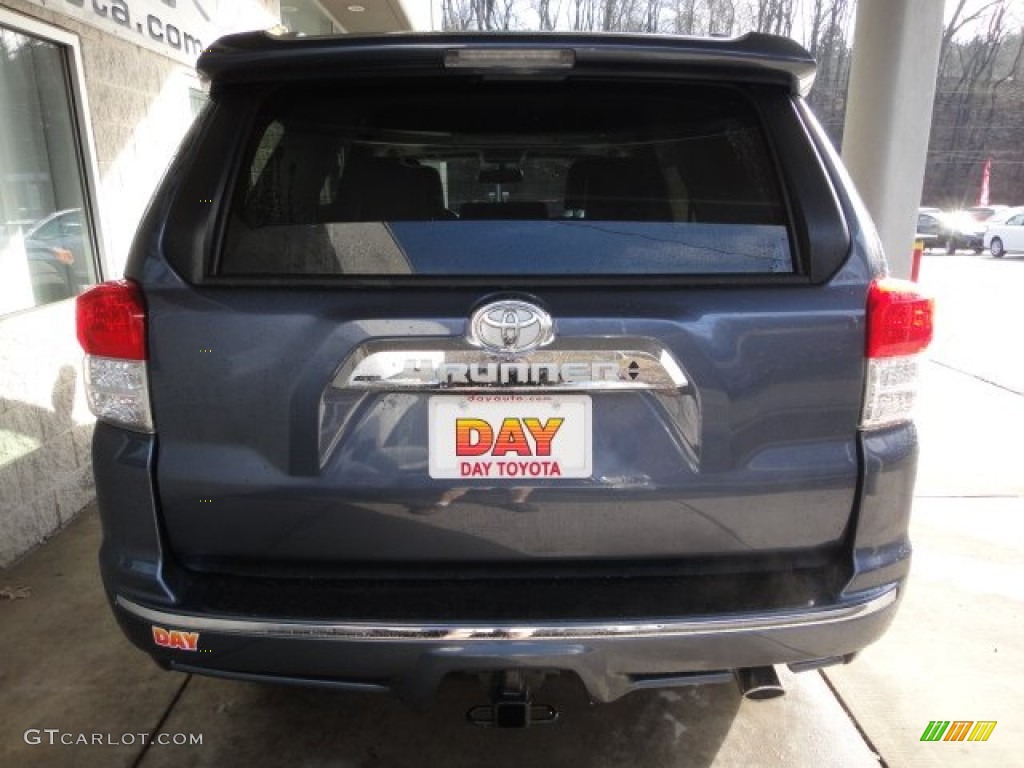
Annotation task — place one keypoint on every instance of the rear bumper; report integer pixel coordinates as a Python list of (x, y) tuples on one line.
[(611, 658), (676, 631)]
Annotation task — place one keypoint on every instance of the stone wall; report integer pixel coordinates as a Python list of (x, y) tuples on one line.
[(45, 428)]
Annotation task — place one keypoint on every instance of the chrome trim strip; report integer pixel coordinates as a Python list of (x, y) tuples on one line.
[(369, 631)]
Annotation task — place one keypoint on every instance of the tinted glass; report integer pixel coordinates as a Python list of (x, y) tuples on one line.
[(513, 179)]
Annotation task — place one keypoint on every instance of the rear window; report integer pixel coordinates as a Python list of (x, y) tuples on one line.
[(491, 179)]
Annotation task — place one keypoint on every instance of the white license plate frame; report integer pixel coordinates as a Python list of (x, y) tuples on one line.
[(530, 437)]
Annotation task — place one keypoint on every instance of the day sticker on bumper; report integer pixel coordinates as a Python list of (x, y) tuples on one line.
[(176, 639), (510, 437)]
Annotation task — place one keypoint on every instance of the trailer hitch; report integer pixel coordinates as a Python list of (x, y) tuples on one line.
[(512, 704)]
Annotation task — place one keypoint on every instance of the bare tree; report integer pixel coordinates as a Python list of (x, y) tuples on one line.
[(774, 16), (457, 15), (483, 15), (976, 103), (652, 16), (721, 17), (958, 21), (685, 17), (547, 15), (584, 15), (826, 36)]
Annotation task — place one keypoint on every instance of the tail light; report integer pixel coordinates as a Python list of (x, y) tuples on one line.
[(111, 321), (899, 328)]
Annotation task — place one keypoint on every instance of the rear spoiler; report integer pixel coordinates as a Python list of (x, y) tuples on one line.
[(753, 58)]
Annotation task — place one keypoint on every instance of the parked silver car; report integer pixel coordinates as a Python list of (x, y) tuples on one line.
[(1007, 235)]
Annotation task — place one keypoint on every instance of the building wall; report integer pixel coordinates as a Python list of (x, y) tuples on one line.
[(140, 96), (139, 106), (45, 428)]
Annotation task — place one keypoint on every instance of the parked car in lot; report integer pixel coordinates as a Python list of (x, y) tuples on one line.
[(59, 255), (65, 235), (51, 271), (378, 414), (1007, 236), (987, 212), (952, 230)]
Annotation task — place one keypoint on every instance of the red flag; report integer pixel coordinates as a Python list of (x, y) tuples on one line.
[(983, 197)]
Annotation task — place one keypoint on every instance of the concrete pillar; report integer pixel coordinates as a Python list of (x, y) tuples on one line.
[(423, 15), (889, 113)]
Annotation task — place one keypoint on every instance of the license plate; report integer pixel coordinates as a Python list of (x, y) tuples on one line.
[(510, 437)]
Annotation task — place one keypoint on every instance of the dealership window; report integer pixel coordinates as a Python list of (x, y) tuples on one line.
[(47, 237)]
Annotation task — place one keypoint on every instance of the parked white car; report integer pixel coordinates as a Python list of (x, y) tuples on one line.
[(1007, 236)]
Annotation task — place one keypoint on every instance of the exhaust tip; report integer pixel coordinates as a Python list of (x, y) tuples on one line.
[(759, 683)]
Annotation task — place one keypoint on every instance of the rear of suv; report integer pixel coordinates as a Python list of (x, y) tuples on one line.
[(504, 355)]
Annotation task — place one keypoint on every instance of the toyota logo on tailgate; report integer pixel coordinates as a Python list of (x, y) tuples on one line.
[(510, 327)]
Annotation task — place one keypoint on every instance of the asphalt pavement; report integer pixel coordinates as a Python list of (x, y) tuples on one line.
[(954, 653)]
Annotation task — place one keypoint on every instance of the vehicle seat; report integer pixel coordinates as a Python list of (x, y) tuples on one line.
[(617, 189), (388, 189)]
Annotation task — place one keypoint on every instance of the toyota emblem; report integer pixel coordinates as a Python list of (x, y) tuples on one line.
[(510, 327)]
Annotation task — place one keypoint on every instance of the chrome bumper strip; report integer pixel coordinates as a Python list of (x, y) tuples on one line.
[(363, 631)]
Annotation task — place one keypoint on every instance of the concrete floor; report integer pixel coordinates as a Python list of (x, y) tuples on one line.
[(955, 651), (956, 648)]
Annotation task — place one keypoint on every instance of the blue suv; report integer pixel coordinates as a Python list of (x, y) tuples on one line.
[(507, 355)]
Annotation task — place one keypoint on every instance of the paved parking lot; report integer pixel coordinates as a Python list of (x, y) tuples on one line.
[(955, 651)]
